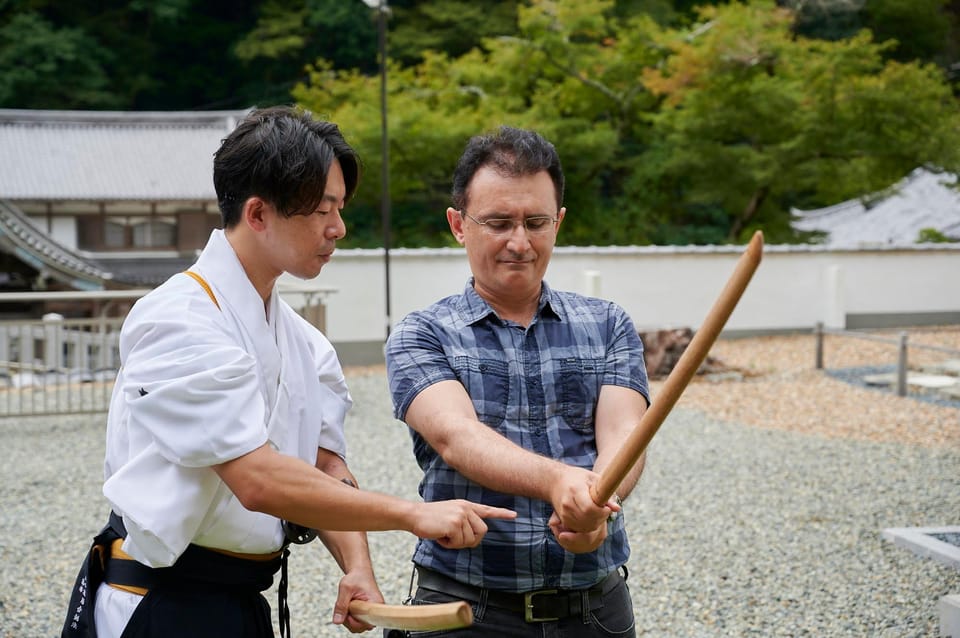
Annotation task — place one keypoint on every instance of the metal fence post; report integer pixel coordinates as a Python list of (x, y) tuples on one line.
[(818, 332), (902, 366)]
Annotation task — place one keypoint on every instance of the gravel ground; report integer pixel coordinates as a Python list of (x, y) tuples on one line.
[(781, 388), (759, 513)]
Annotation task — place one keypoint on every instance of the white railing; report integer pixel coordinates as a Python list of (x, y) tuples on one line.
[(66, 366), (57, 366)]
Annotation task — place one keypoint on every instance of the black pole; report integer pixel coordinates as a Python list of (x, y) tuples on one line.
[(385, 155), (818, 332)]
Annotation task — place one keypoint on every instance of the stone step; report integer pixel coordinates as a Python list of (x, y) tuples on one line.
[(942, 385), (919, 379), (951, 392), (949, 607), (950, 367)]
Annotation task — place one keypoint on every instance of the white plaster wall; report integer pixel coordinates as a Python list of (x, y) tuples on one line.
[(794, 287), (933, 283)]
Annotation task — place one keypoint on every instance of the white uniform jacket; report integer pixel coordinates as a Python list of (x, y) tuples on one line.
[(200, 385)]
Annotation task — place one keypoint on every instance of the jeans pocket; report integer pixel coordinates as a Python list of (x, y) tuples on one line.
[(615, 617), (430, 597)]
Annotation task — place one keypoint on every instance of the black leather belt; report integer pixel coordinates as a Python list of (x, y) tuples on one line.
[(542, 605)]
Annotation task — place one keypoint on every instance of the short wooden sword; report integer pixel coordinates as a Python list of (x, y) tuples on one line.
[(414, 617), (641, 435)]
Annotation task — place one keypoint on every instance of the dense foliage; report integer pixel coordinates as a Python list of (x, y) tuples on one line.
[(675, 124)]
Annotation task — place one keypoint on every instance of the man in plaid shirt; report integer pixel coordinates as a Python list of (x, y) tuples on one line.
[(517, 395)]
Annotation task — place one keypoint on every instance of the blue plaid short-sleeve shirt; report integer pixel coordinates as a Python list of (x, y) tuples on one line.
[(537, 386)]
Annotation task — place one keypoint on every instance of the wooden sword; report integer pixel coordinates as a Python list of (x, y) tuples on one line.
[(414, 617), (638, 439)]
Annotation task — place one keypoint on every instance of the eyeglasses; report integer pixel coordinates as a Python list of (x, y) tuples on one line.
[(501, 226)]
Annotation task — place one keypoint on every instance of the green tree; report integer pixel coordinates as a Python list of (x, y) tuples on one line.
[(756, 120), (570, 73), (292, 33), (430, 117), (43, 66), (587, 96), (924, 30), (453, 27), (694, 135), (932, 236), (124, 54)]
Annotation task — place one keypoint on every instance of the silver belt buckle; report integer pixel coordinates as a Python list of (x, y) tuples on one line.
[(528, 605)]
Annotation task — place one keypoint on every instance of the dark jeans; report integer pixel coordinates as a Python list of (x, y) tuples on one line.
[(613, 619)]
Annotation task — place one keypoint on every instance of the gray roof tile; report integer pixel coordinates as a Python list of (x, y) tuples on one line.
[(21, 238), (923, 199), (110, 155)]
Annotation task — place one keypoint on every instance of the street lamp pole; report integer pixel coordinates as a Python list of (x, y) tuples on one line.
[(385, 152), (381, 7)]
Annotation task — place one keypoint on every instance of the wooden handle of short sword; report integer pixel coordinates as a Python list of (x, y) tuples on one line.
[(638, 439), (414, 617)]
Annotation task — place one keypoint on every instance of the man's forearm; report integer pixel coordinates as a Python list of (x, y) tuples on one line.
[(349, 549), (619, 411), (444, 416), (488, 458), (630, 481)]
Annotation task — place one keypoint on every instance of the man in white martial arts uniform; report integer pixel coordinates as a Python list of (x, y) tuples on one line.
[(226, 420)]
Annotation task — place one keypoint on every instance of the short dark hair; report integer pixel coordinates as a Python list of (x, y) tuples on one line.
[(282, 154), (511, 152)]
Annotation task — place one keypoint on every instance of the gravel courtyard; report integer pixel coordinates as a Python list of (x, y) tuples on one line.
[(760, 512)]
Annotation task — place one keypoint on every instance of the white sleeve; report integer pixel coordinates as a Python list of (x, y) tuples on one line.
[(193, 391)]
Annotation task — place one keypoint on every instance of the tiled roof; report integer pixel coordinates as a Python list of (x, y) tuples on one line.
[(923, 199), (110, 155), (32, 246)]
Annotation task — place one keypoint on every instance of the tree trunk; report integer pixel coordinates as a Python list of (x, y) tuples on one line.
[(739, 223)]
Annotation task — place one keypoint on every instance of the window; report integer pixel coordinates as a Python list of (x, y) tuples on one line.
[(154, 233), (122, 232), (114, 234)]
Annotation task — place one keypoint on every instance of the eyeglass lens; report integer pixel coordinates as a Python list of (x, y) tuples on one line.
[(505, 225)]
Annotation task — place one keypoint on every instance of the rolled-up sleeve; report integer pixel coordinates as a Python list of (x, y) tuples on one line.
[(415, 360)]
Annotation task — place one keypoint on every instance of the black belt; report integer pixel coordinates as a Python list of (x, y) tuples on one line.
[(196, 566), (542, 605)]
